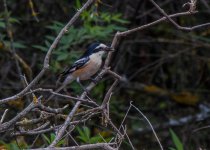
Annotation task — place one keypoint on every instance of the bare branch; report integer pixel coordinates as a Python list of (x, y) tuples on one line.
[(51, 110), (34, 121), (107, 96), (42, 126), (61, 95), (48, 55), (3, 116), (35, 132), (161, 147), (128, 138), (192, 5), (7, 125), (175, 24), (105, 146), (114, 74), (61, 131)]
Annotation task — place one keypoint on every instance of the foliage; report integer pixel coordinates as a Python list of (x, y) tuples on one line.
[(3, 37), (177, 142), (14, 145), (166, 71), (94, 27), (50, 139), (85, 136), (11, 145)]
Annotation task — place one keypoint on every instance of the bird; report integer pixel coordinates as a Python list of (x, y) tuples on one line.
[(86, 66)]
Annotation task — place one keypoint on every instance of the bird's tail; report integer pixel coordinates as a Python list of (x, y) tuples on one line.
[(68, 80)]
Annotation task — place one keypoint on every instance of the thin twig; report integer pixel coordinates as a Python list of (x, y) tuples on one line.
[(5, 126), (48, 55), (126, 114), (107, 96), (106, 146), (34, 132), (3, 116), (52, 110), (61, 95), (131, 144), (161, 147), (61, 131), (177, 25)]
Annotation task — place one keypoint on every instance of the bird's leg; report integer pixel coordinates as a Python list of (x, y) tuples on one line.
[(84, 89), (94, 80)]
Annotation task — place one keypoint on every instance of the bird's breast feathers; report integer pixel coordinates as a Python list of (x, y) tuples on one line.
[(89, 69)]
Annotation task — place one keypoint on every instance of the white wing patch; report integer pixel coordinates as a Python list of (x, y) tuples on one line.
[(78, 64)]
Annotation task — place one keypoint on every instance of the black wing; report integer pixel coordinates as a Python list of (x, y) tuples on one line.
[(78, 64)]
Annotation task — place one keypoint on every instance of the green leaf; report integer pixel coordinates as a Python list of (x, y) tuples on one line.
[(2, 25), (63, 56), (177, 142), (84, 134), (14, 20), (59, 24), (50, 37), (52, 137), (78, 4), (95, 139), (42, 48), (46, 138), (171, 148), (19, 45), (87, 132), (80, 132), (47, 43), (61, 142)]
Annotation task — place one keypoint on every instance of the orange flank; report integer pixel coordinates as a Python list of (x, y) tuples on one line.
[(87, 71)]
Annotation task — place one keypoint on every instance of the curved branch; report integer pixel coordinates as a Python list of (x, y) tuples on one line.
[(48, 55)]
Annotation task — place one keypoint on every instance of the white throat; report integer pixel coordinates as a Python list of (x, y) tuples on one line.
[(97, 57)]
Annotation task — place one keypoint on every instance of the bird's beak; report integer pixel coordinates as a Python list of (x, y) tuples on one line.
[(109, 49)]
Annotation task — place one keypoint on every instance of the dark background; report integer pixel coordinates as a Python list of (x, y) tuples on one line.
[(165, 70)]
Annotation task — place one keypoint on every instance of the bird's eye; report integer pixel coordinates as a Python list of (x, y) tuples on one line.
[(97, 49)]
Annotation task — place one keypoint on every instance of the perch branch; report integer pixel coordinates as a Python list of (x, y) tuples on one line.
[(48, 55), (105, 146)]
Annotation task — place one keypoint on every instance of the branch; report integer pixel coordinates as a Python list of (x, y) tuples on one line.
[(203, 115), (35, 132), (48, 55), (34, 121), (3, 116), (128, 32), (52, 110), (7, 125), (177, 25), (62, 95), (107, 96), (106, 146), (71, 114), (161, 147), (61, 131)]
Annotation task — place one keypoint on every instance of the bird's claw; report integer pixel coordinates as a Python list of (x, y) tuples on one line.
[(95, 81)]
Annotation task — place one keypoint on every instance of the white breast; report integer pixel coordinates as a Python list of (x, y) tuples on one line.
[(97, 57), (93, 66)]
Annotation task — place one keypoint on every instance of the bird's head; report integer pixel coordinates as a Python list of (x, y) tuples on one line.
[(98, 48)]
